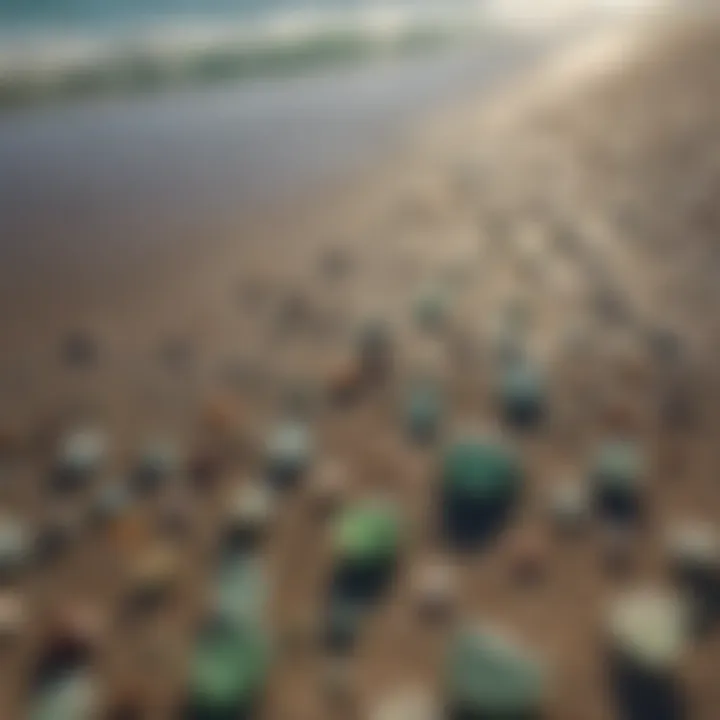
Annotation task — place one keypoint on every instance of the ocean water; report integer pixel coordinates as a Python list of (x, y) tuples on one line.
[(64, 48), (76, 47)]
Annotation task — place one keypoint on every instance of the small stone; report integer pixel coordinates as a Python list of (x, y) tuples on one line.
[(80, 458), (289, 451), (73, 695), (229, 671), (423, 411), (488, 676), (341, 624), (251, 512), (329, 486), (618, 478), (154, 575), (109, 503), (522, 395), (15, 545), (411, 703), (156, 464), (54, 538), (240, 590), (694, 553), (13, 616), (480, 479), (367, 536), (569, 507), (649, 630), (434, 587)]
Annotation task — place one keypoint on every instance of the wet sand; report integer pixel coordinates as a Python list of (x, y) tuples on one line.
[(567, 188)]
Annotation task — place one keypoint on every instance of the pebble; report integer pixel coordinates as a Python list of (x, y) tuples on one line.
[(71, 696), (423, 412), (367, 536), (15, 548), (250, 512), (522, 395), (59, 533), (569, 507), (110, 502), (153, 575), (80, 458), (289, 451), (228, 672), (342, 621), (410, 703), (480, 480), (489, 676), (240, 590), (618, 478), (693, 550), (649, 630), (156, 464)]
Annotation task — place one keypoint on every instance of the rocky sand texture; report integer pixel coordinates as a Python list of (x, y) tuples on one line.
[(508, 339)]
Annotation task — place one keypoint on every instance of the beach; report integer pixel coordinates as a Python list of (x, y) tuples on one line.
[(216, 250)]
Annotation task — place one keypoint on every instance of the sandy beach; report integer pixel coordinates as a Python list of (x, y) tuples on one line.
[(208, 278)]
